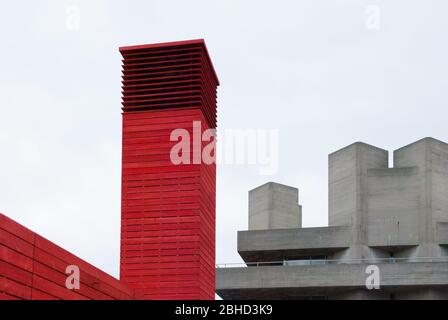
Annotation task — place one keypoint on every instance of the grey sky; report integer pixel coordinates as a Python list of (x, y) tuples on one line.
[(308, 68)]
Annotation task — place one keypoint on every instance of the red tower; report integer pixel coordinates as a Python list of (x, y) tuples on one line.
[(168, 210)]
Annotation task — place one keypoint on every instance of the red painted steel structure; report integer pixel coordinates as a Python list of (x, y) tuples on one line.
[(33, 268), (168, 210)]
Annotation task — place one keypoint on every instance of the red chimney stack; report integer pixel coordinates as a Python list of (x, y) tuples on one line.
[(168, 209)]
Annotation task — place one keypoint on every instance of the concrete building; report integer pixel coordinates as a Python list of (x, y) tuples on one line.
[(387, 226)]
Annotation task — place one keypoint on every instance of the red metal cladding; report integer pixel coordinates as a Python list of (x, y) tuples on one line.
[(168, 210), (33, 268)]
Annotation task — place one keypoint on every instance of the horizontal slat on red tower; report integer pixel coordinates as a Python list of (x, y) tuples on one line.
[(168, 210)]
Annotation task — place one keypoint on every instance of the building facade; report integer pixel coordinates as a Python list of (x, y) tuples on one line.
[(387, 236)]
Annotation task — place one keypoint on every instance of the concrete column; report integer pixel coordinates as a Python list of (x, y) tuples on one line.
[(348, 169), (274, 206), (431, 157)]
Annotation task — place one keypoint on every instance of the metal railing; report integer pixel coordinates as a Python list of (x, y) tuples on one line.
[(309, 262)]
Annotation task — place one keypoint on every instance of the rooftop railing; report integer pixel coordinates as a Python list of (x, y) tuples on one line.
[(310, 262)]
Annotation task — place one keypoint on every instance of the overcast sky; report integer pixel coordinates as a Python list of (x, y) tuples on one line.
[(321, 72)]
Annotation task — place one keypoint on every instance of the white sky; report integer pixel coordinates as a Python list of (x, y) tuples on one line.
[(308, 68)]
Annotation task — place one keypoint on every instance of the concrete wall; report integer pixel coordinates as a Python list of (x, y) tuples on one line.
[(310, 238), (360, 294), (390, 207), (348, 169), (280, 244), (422, 294), (393, 206), (442, 233), (347, 179), (395, 277), (274, 206), (431, 157)]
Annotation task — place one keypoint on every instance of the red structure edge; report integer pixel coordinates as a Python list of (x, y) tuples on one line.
[(33, 268)]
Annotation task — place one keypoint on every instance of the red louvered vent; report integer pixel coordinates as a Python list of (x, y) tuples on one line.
[(172, 75)]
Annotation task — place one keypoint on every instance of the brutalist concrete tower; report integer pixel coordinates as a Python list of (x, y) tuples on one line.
[(168, 209), (388, 221)]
